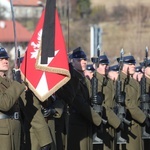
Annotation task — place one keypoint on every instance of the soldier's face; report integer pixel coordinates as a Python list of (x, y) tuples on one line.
[(147, 71), (129, 69), (102, 69), (80, 64), (4, 64)]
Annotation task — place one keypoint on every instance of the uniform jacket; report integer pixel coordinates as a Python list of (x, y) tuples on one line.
[(36, 128), (9, 128), (106, 87), (134, 113)]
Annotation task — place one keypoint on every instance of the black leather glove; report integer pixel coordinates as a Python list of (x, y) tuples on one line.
[(16, 75), (46, 147), (48, 111)]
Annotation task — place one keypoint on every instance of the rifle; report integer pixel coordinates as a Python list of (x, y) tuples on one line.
[(120, 102), (97, 99), (145, 99)]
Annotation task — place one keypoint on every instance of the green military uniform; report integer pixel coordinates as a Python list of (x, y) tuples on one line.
[(147, 141), (108, 91), (36, 129), (56, 109), (61, 125), (10, 128), (134, 114)]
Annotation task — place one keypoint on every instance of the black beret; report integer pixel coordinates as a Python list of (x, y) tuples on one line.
[(78, 53), (128, 59), (90, 67), (103, 59)]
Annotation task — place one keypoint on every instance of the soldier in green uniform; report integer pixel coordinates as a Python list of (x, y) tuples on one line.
[(76, 94), (134, 114), (52, 109), (37, 134), (106, 89), (146, 108), (10, 91)]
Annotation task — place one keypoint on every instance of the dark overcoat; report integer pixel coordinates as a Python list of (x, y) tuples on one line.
[(82, 116)]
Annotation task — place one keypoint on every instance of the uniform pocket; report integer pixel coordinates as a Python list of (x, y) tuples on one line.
[(4, 131)]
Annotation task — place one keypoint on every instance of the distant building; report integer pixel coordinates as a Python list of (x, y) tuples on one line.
[(22, 8), (7, 39)]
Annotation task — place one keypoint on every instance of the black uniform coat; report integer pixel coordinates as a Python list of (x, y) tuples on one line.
[(82, 116)]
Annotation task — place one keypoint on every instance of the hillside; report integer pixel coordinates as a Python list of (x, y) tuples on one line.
[(131, 34)]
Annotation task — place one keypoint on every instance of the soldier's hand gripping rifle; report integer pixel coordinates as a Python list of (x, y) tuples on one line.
[(120, 103), (145, 98), (97, 99)]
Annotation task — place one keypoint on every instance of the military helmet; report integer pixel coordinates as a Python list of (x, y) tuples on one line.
[(103, 59), (78, 53), (128, 59), (3, 53)]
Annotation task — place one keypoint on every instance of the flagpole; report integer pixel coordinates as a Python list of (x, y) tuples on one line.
[(68, 24), (14, 29)]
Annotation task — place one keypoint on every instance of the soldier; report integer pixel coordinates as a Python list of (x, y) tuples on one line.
[(134, 114), (76, 94), (52, 109), (36, 135), (106, 89), (147, 103), (10, 92)]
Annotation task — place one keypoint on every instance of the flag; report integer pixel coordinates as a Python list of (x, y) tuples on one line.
[(45, 64)]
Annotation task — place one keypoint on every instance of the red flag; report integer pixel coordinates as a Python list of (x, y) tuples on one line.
[(45, 79)]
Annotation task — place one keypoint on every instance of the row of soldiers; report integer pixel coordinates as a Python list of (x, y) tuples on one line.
[(103, 116), (87, 109)]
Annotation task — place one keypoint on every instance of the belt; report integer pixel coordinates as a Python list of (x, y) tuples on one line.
[(14, 116)]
